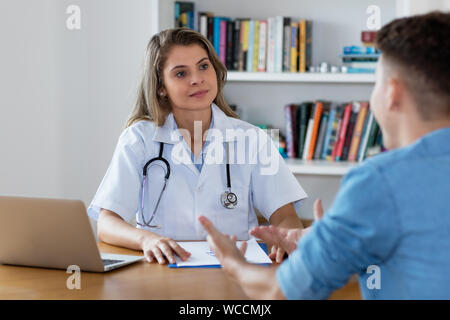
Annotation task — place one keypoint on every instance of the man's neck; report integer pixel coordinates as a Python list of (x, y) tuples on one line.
[(420, 128), (196, 123)]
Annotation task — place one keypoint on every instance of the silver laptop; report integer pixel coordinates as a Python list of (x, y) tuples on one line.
[(52, 233)]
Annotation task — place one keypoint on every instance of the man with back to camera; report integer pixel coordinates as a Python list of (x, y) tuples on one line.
[(392, 213)]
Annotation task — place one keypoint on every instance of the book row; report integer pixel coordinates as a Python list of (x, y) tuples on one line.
[(324, 130)]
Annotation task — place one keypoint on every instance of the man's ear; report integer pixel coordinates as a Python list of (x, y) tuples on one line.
[(395, 94)]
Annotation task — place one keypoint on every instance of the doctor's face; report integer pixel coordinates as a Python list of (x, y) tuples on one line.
[(189, 78)]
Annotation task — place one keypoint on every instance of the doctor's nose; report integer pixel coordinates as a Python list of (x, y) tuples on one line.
[(197, 79)]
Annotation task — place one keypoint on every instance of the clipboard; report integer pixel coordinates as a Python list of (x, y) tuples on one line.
[(261, 244)]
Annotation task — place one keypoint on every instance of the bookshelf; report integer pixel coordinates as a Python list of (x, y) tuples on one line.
[(261, 96), (308, 77), (319, 167)]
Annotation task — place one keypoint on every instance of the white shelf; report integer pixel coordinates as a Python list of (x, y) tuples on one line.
[(320, 167), (234, 76)]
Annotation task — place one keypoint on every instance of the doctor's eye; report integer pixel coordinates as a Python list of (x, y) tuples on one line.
[(204, 66), (180, 74)]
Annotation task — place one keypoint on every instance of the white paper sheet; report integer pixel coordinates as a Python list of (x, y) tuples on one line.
[(202, 255)]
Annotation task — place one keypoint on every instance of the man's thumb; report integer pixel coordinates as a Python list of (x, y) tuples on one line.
[(318, 209)]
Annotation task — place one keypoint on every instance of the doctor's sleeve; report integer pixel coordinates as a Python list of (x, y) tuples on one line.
[(360, 229), (273, 185), (119, 190)]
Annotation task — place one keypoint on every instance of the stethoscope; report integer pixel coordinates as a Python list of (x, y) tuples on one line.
[(228, 198)]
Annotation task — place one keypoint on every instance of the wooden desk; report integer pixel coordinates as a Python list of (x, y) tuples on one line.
[(140, 280)]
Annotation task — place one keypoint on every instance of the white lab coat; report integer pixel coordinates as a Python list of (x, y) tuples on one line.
[(190, 193)]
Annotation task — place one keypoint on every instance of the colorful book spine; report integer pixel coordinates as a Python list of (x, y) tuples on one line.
[(279, 44), (286, 44), (329, 130), (236, 43), (314, 133), (343, 131), (216, 34), (365, 139), (244, 39), (255, 46), (289, 131), (353, 153), (223, 41), (262, 46), (302, 46), (229, 52), (304, 113), (350, 129), (308, 135), (321, 136), (271, 26), (251, 40), (294, 47), (332, 144)]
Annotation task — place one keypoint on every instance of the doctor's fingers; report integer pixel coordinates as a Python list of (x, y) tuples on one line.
[(263, 233), (183, 254), (167, 251)]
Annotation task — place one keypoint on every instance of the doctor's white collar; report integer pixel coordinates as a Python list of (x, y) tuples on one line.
[(167, 134)]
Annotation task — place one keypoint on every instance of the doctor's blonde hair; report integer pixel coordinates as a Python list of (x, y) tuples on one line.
[(149, 104)]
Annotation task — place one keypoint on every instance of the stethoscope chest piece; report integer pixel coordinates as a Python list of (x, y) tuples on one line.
[(229, 200)]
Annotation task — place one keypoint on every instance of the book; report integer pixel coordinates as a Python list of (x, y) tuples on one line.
[(184, 14), (286, 44), (279, 21), (223, 40), (309, 132), (303, 114), (255, 46), (203, 22), (351, 127), (229, 55), (342, 132), (216, 35), (356, 139), (365, 139), (236, 43), (271, 33), (360, 50), (289, 112), (334, 136), (251, 42), (262, 46), (305, 45), (315, 129), (321, 136), (294, 47), (328, 132), (244, 44)]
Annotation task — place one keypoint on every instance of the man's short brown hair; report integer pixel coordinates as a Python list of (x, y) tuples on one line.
[(420, 47)]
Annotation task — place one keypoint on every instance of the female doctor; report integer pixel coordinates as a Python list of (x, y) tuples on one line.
[(176, 159)]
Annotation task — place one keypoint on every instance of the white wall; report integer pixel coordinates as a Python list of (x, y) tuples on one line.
[(65, 95)]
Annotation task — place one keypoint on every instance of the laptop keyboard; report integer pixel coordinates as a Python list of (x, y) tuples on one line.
[(107, 262)]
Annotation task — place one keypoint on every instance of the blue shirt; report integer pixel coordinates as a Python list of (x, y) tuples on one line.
[(389, 223)]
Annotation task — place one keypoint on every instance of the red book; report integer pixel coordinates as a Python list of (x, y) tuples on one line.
[(343, 131), (223, 41)]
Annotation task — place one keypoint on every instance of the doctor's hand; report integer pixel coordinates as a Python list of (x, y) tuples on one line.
[(224, 247), (162, 249), (284, 240)]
